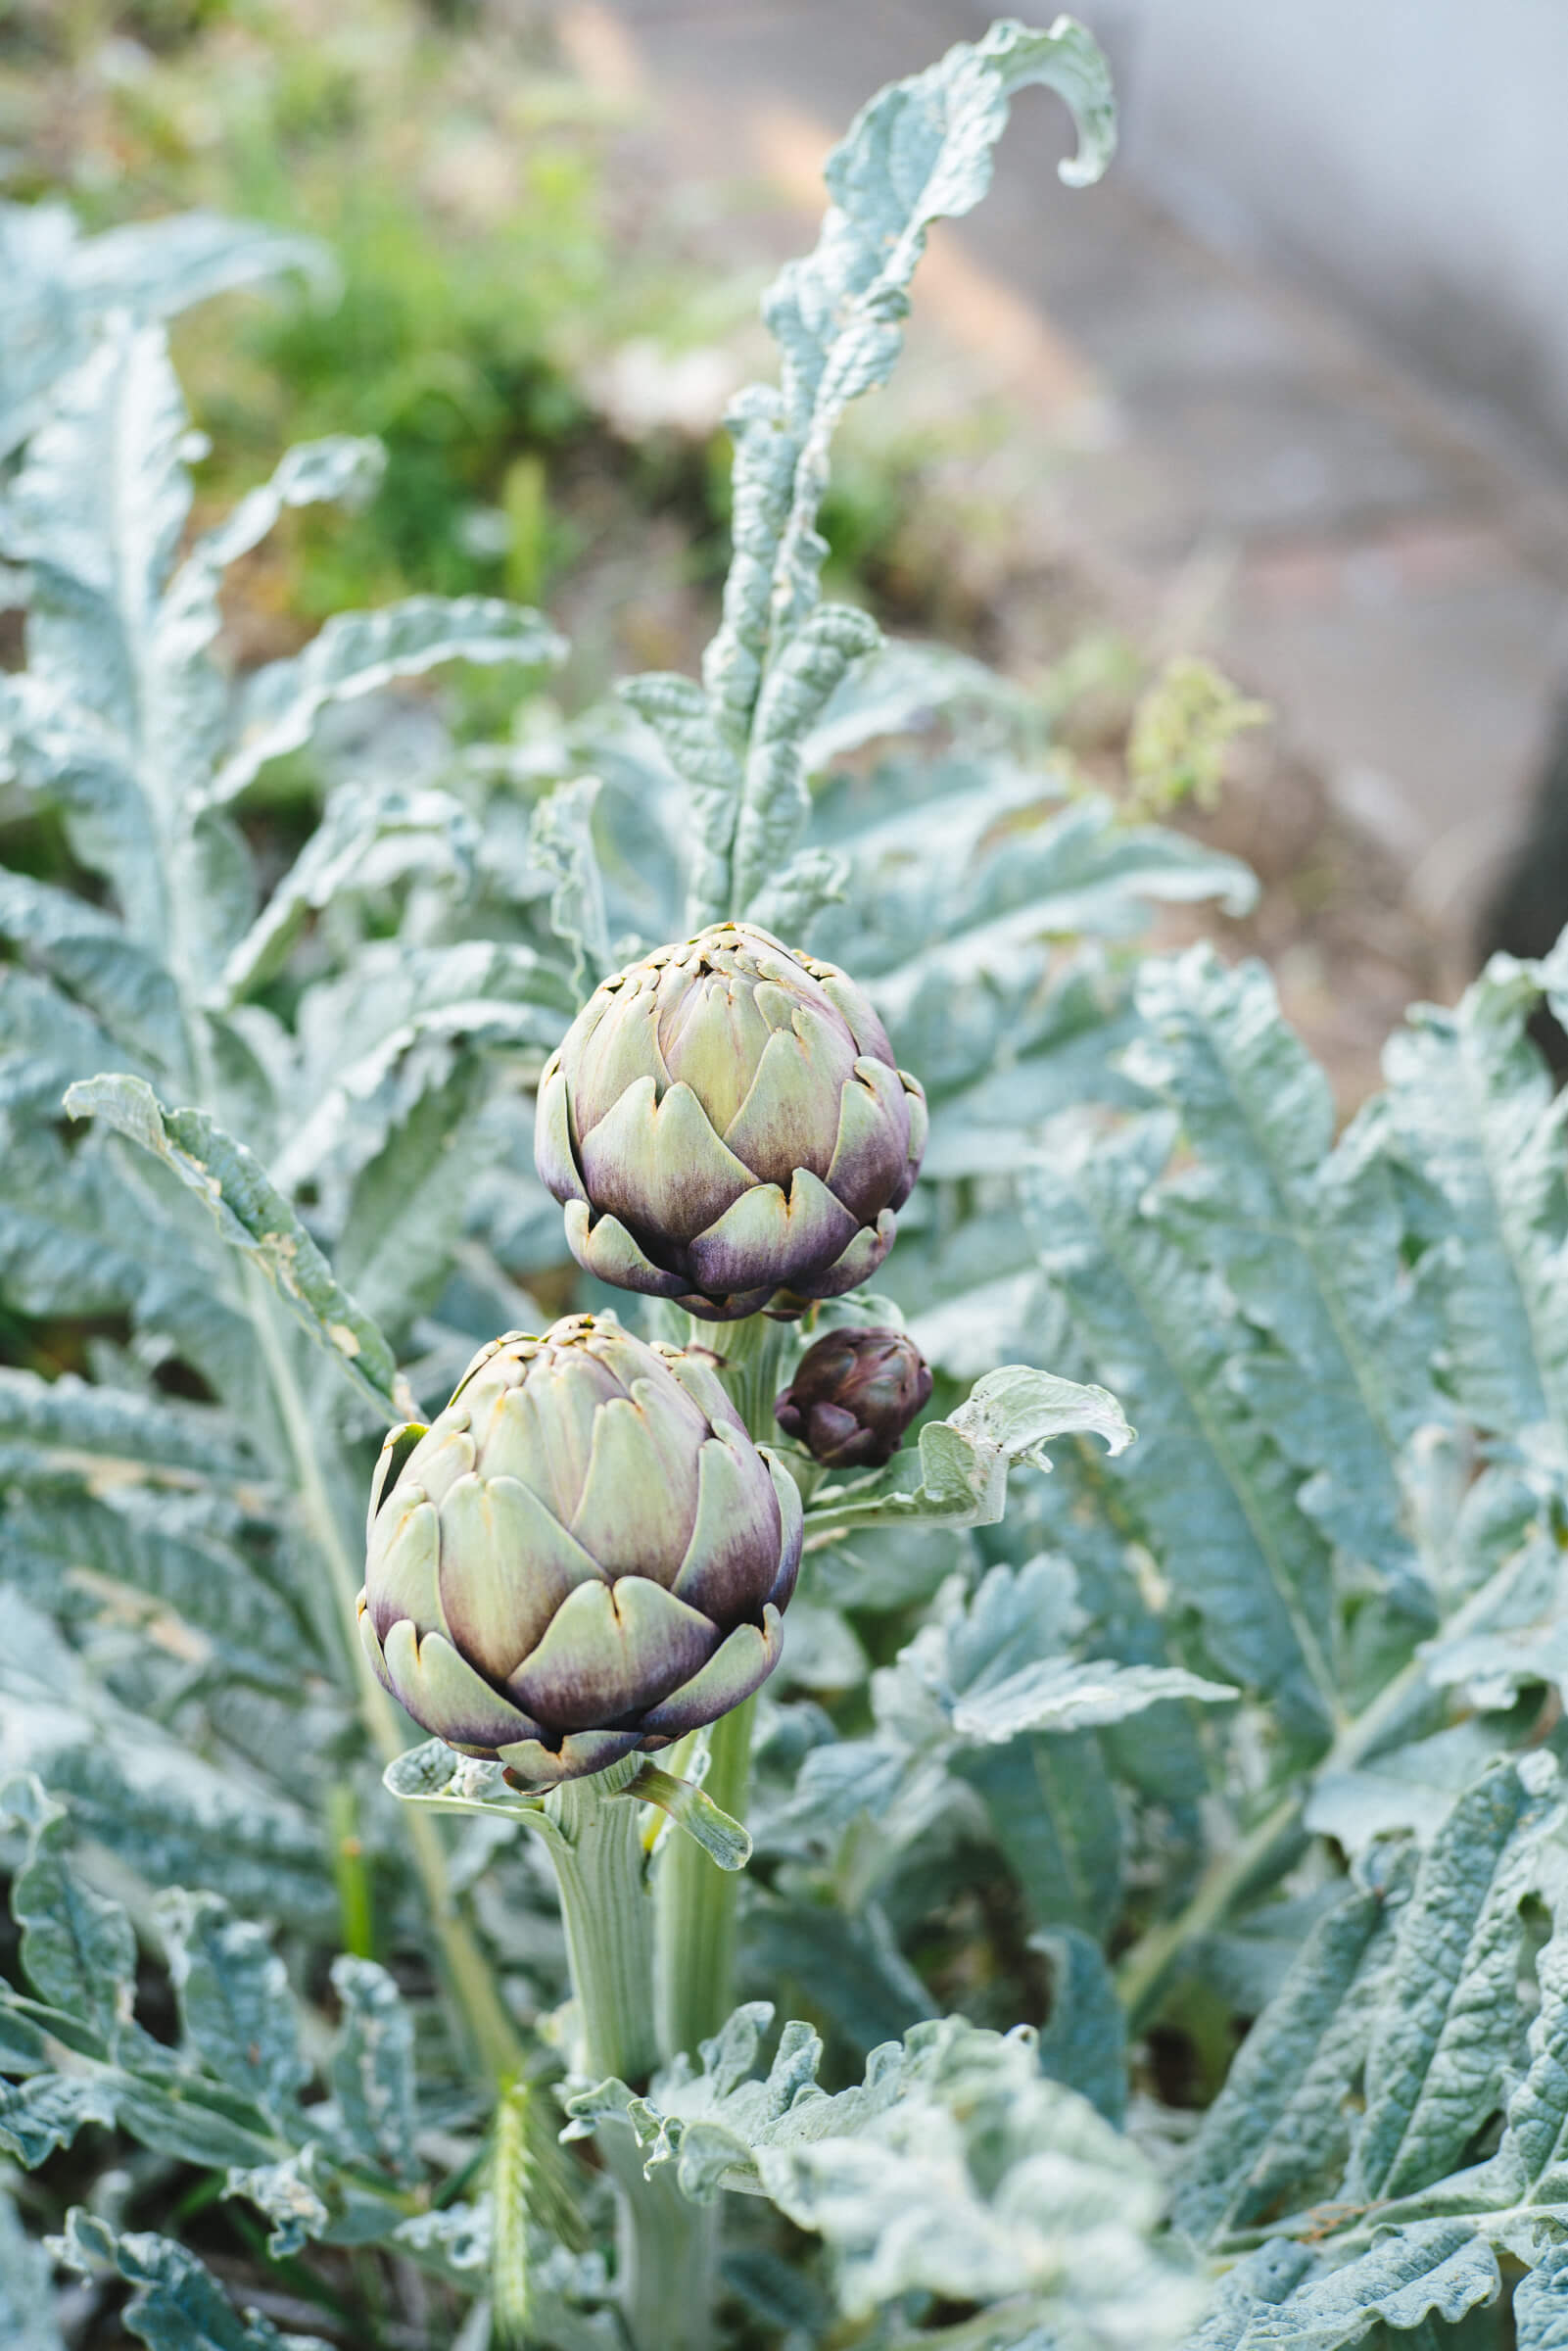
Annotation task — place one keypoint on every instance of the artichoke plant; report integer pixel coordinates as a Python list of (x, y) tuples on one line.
[(585, 1553), (853, 1395), (727, 1127)]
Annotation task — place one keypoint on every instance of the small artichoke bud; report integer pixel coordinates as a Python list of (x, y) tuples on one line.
[(727, 1129), (584, 1554), (853, 1395)]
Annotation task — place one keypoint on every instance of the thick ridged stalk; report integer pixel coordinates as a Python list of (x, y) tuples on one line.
[(695, 1902), (665, 2244), (695, 1906)]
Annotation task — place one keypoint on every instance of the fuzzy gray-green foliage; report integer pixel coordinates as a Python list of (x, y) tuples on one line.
[(1255, 1717)]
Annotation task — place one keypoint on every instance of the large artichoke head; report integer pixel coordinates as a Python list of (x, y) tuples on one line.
[(726, 1125), (584, 1554)]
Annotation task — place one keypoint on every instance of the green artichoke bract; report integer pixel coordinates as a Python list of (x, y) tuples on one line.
[(726, 1125), (584, 1554)]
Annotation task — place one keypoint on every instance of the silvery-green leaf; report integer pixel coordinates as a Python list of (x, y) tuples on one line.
[(724, 1841), (847, 1968), (41, 2115), (78, 1949), (1078, 871), (56, 287), (371, 2070), (956, 2166), (88, 951), (435, 1774), (1279, 2134), (175, 2304), (1084, 2044), (1056, 1695), (901, 686), (1436, 2270), (354, 653), (124, 1558), (1310, 1240), (1053, 1807), (289, 2196), (1540, 2304), (255, 1217), (560, 839), (407, 1212), (775, 798), (1473, 1111), (1441, 2050), (1411, 1788), (339, 469), (1009, 1415), (1162, 1331), (361, 824), (26, 2291), (234, 1999), (920, 151), (167, 1812), (78, 1426), (708, 765)]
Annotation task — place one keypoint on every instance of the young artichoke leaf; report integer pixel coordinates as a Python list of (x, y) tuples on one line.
[(1011, 1413), (560, 839), (920, 152), (253, 1216), (920, 2177)]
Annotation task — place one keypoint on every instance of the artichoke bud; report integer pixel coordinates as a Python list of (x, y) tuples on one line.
[(853, 1395), (727, 1129), (584, 1554)]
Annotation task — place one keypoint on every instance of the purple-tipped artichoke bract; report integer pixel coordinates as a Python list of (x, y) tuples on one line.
[(584, 1554), (853, 1395), (726, 1125)]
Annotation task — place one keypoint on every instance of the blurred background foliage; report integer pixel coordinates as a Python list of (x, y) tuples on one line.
[(540, 342)]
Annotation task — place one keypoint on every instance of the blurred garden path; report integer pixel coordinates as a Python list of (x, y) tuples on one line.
[(1234, 459)]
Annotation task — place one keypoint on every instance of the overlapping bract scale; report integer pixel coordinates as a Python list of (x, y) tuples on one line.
[(584, 1554), (727, 1129)]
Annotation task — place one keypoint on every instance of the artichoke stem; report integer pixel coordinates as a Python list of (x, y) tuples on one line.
[(753, 1352), (695, 1902), (608, 1917), (665, 2254), (696, 1905), (665, 2246)]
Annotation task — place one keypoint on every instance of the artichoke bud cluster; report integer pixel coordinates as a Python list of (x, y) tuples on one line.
[(727, 1129), (586, 1552), (582, 1554), (853, 1395)]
